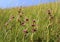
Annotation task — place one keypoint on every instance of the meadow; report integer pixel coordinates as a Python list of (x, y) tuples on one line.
[(39, 23)]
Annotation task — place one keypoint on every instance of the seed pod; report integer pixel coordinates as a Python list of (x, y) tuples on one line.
[(33, 25)]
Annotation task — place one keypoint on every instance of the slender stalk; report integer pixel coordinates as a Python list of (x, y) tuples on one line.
[(47, 35), (15, 39), (23, 39), (32, 37)]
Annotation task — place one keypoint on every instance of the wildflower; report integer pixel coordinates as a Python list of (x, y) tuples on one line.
[(18, 11), (57, 35), (22, 23), (12, 17), (27, 19), (51, 17), (34, 30), (18, 20), (6, 23), (25, 31), (34, 20), (33, 25), (49, 12), (22, 12), (20, 15)]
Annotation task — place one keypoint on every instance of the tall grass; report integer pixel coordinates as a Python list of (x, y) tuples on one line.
[(31, 24)]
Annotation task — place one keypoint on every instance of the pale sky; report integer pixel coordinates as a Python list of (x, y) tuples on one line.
[(14, 3)]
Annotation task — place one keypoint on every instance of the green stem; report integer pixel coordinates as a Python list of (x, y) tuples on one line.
[(15, 39), (32, 37), (23, 39), (48, 35)]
